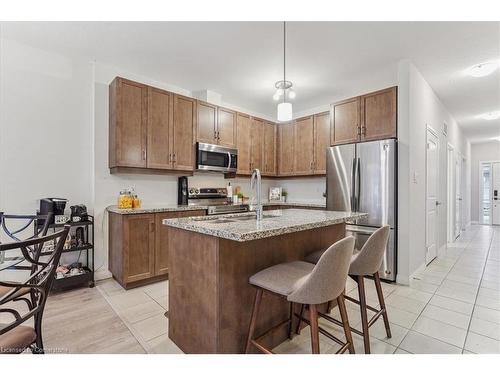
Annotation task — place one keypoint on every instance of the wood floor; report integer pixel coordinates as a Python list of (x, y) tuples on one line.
[(82, 321)]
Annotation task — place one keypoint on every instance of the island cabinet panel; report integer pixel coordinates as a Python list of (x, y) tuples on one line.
[(321, 141), (210, 299), (159, 129), (184, 119), (269, 157), (138, 246), (257, 149), (206, 123), (244, 143), (379, 115), (128, 123), (286, 147), (346, 121), (161, 238), (226, 127), (304, 146)]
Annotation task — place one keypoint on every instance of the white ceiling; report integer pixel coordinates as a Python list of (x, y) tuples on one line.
[(242, 60)]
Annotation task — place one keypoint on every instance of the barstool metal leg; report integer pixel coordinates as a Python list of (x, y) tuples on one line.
[(313, 318), (364, 313), (345, 322), (255, 311), (381, 301)]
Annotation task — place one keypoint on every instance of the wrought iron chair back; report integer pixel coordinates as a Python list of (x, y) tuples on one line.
[(39, 282)]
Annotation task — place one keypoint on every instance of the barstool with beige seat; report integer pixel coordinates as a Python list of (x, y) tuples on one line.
[(307, 284), (366, 262)]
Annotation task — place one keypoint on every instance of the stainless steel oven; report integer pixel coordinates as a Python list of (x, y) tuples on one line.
[(216, 158)]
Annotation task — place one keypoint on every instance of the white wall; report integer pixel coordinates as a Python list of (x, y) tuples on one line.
[(420, 107), (486, 151), (45, 130)]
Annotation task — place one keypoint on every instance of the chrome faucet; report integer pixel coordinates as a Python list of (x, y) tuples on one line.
[(257, 179)]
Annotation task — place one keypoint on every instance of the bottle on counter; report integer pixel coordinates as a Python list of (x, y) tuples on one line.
[(229, 190)]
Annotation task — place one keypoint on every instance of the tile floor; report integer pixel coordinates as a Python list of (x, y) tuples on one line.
[(453, 306)]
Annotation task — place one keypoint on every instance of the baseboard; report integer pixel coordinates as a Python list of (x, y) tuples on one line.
[(441, 250), (402, 279), (102, 275)]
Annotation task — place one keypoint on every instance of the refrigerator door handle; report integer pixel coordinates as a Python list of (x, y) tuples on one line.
[(353, 185), (358, 183)]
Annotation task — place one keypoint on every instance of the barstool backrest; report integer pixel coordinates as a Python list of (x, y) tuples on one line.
[(370, 257), (327, 280)]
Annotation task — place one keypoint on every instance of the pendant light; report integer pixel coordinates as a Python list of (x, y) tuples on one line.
[(284, 89)]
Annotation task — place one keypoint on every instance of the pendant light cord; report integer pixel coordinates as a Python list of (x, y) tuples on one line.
[(284, 61)]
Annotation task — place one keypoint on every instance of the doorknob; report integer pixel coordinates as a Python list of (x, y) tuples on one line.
[(438, 203)]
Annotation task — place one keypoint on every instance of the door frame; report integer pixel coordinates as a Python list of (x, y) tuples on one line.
[(480, 189), (435, 133), (458, 163), (450, 192)]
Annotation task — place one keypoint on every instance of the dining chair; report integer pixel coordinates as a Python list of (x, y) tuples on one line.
[(14, 336), (13, 226)]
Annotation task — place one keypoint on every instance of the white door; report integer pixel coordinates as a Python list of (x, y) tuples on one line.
[(432, 189), (495, 212), (458, 195)]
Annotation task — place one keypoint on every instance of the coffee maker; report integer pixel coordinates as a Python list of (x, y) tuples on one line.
[(53, 206), (182, 191)]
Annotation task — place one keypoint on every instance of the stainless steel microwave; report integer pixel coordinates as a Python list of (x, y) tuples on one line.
[(216, 158)]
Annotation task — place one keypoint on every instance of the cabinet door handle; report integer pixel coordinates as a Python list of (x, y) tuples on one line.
[(174, 158), (152, 227), (143, 154), (170, 158)]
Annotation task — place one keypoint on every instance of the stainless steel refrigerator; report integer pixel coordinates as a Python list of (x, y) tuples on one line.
[(362, 177)]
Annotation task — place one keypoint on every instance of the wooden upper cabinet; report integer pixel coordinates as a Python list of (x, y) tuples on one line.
[(128, 117), (269, 158), (243, 143), (257, 149), (286, 149), (206, 123), (346, 121), (159, 129), (379, 114), (226, 127), (139, 239), (184, 119), (304, 146), (321, 141)]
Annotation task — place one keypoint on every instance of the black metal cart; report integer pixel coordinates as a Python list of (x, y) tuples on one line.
[(71, 281)]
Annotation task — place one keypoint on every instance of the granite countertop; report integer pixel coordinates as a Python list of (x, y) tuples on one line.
[(276, 222), (152, 208), (146, 209)]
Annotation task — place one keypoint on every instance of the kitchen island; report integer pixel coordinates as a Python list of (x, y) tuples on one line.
[(211, 260)]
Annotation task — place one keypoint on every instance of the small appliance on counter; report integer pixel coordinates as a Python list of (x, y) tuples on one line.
[(182, 191), (54, 206), (79, 213)]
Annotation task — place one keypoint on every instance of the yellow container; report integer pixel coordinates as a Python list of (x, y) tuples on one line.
[(125, 200)]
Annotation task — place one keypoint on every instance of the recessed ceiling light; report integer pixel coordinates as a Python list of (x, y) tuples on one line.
[(483, 69), (490, 115)]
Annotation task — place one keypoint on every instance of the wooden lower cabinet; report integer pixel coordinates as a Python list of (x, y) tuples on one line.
[(138, 246)]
